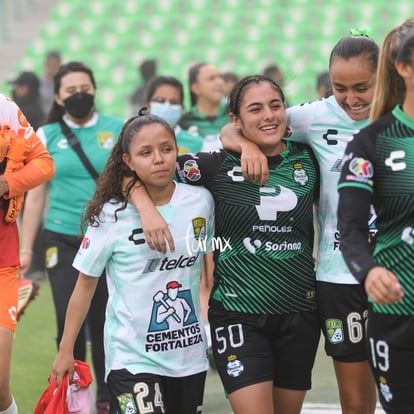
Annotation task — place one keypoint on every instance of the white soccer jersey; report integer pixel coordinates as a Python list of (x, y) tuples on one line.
[(153, 317), (326, 127)]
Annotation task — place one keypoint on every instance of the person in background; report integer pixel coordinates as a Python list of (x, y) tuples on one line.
[(275, 73), (327, 125), (66, 195), (51, 66), (230, 79), (323, 85), (165, 98), (208, 113), (155, 345), (25, 92), (147, 71), (262, 311), (24, 164), (378, 169)]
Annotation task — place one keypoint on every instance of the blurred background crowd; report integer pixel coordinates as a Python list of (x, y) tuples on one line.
[(128, 42)]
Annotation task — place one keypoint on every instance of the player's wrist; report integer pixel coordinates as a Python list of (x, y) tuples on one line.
[(26, 251)]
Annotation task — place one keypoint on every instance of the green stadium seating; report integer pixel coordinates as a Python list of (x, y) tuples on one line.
[(240, 35)]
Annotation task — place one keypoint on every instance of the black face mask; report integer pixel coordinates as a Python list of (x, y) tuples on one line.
[(79, 105)]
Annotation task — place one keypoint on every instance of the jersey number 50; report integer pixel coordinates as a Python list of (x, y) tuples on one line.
[(233, 337)]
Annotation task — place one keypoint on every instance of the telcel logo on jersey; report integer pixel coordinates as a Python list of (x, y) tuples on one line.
[(162, 265)]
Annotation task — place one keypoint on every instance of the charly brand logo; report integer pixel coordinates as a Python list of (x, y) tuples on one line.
[(408, 235), (393, 163), (236, 174), (196, 238)]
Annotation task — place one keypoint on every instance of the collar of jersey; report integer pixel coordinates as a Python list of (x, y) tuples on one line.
[(403, 117), (90, 123)]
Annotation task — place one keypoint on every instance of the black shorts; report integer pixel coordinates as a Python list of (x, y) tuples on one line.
[(150, 393), (391, 347), (249, 349), (343, 310)]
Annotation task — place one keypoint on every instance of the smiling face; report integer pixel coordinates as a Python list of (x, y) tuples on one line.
[(353, 85), (152, 155), (262, 117)]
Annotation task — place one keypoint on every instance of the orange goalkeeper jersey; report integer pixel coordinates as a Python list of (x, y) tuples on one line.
[(37, 167)]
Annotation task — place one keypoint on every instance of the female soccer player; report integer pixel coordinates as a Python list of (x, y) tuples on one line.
[(262, 314), (379, 170), (155, 344), (327, 125)]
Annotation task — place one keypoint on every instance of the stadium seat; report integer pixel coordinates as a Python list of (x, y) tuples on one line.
[(114, 37)]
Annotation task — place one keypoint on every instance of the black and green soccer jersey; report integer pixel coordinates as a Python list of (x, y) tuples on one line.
[(380, 162), (208, 127), (264, 234)]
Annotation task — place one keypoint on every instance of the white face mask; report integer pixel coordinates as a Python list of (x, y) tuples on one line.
[(170, 113)]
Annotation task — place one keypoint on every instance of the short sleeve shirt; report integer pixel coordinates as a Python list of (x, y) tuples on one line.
[(264, 235), (326, 127), (153, 317)]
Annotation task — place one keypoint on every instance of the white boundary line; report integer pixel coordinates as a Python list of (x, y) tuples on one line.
[(309, 408), (312, 408)]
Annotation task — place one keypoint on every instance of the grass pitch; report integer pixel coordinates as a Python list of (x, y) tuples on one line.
[(35, 349)]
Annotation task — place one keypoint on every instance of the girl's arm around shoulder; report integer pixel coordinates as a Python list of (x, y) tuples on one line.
[(77, 310), (156, 231), (253, 161)]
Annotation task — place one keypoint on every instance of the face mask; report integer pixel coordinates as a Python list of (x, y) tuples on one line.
[(79, 105), (166, 111)]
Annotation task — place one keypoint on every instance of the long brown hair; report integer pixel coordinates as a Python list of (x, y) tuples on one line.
[(390, 88)]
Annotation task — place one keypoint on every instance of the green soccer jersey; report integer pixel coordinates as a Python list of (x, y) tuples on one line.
[(264, 235), (207, 127), (380, 160), (73, 186)]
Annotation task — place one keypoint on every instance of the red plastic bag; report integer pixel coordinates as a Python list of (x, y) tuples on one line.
[(75, 394)]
